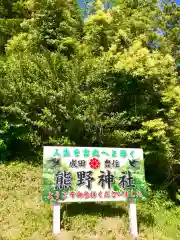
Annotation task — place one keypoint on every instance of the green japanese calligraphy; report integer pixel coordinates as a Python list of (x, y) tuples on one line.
[(66, 152), (114, 153), (56, 153), (132, 154), (105, 153), (123, 153), (76, 152), (95, 153), (86, 152)]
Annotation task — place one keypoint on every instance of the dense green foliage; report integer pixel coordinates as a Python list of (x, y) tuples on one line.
[(108, 80), (12, 14)]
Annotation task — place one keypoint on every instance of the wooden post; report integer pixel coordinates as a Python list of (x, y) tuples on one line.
[(56, 219), (133, 219)]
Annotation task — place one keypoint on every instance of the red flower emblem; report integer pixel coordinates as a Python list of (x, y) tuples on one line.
[(94, 163), (50, 196)]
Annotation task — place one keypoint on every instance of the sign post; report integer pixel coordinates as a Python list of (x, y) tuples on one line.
[(56, 219), (88, 174), (133, 219)]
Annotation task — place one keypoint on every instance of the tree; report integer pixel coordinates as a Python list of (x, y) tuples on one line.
[(40, 34), (135, 82), (171, 29), (107, 81), (55, 25), (12, 13)]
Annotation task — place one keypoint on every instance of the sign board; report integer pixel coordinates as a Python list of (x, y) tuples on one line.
[(84, 174)]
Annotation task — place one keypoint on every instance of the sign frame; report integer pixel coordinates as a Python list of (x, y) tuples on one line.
[(133, 161)]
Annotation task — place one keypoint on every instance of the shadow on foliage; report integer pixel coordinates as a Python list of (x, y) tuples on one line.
[(145, 219), (174, 187), (159, 176), (21, 151), (156, 170), (173, 192), (105, 210)]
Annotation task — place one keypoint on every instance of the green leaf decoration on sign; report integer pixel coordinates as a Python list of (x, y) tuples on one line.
[(115, 188)]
